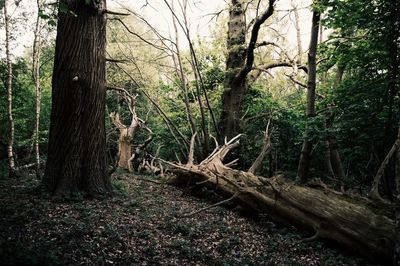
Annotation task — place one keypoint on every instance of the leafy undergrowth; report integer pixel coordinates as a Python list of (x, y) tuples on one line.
[(140, 225)]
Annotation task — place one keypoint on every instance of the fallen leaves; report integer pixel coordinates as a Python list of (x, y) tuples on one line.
[(140, 226)]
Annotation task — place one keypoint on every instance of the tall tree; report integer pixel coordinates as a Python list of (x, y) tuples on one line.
[(235, 61), (10, 153), (239, 63), (305, 156), (37, 43), (77, 142)]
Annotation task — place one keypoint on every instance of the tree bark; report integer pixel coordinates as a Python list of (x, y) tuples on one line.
[(305, 155), (239, 63), (328, 162), (354, 223), (77, 142), (374, 193), (335, 160), (332, 146), (233, 95), (37, 43), (10, 143), (265, 150)]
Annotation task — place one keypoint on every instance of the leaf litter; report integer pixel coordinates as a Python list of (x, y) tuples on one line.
[(142, 225)]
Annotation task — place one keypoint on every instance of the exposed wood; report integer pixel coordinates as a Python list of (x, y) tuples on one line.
[(191, 150), (265, 150), (353, 223), (139, 152), (126, 134), (171, 126)]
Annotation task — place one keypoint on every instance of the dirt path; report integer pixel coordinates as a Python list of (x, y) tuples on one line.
[(141, 226)]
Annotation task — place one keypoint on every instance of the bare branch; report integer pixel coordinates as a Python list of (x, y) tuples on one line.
[(115, 13), (191, 150), (116, 60), (253, 40), (137, 35), (266, 148)]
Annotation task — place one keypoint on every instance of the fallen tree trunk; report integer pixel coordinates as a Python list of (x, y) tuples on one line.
[(355, 224)]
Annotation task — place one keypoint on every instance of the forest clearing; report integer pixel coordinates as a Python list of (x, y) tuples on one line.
[(177, 132)]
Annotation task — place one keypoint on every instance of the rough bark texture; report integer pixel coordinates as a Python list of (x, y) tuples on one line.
[(354, 223), (305, 155), (239, 63), (10, 143), (77, 142), (232, 98)]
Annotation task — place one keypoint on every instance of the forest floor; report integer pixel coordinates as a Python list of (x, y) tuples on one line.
[(141, 225)]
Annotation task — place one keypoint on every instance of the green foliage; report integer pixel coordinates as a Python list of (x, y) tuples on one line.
[(367, 105), (286, 127), (24, 103)]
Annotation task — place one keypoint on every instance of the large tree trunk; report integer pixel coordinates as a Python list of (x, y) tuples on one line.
[(239, 63), (233, 95), (10, 143), (305, 155), (354, 223), (77, 143)]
